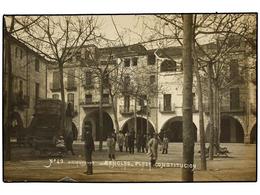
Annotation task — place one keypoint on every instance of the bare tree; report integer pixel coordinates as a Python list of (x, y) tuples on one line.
[(188, 138), (225, 31), (106, 65), (168, 31), (58, 39), (217, 28)]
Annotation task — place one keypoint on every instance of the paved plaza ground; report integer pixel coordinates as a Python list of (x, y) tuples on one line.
[(239, 166)]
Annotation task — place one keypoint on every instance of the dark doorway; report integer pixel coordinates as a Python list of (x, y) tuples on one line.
[(141, 126), (17, 131), (253, 135), (173, 130), (231, 131), (108, 126)]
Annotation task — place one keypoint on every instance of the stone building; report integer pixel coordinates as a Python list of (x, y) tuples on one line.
[(29, 78), (237, 99), (154, 110), (238, 94), (82, 86), (169, 103)]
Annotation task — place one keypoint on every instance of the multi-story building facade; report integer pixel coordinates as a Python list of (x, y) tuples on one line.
[(146, 86), (238, 96), (157, 110), (85, 93), (29, 79), (169, 103), (237, 99)]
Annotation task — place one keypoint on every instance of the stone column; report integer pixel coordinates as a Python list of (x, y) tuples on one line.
[(247, 138), (233, 135)]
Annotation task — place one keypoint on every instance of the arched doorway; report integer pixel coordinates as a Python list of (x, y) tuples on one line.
[(141, 126), (253, 135), (173, 129), (17, 131), (93, 119), (231, 131)]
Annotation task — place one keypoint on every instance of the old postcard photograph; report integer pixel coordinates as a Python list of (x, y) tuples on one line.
[(130, 97)]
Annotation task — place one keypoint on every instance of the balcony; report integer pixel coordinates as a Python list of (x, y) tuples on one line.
[(21, 101), (131, 109), (88, 86), (226, 108), (94, 104), (106, 100), (55, 87), (142, 110), (70, 86), (126, 110), (167, 109)]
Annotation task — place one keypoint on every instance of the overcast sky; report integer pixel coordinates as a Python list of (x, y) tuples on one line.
[(130, 27), (121, 21)]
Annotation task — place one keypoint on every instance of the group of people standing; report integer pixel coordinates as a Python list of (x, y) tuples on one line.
[(127, 141), (144, 143)]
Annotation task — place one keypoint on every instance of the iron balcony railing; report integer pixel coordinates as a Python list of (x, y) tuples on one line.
[(91, 103), (126, 109), (88, 86), (225, 107), (55, 86), (167, 108), (71, 86)]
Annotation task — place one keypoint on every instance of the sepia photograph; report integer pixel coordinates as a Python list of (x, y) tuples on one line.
[(126, 98)]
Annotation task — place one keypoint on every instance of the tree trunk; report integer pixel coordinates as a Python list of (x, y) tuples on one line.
[(7, 125), (62, 121), (216, 115), (114, 108), (9, 98), (101, 122), (211, 122), (135, 119), (201, 116), (219, 119), (188, 134), (147, 118)]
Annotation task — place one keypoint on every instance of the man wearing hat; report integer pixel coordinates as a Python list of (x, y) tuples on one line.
[(89, 148), (153, 148)]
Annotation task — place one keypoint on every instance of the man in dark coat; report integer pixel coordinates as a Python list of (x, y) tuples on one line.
[(126, 141), (165, 144), (69, 134), (131, 142), (138, 142), (143, 143), (89, 148), (120, 141)]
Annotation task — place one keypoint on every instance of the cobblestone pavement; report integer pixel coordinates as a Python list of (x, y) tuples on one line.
[(239, 166)]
